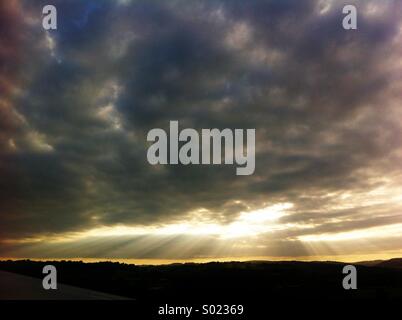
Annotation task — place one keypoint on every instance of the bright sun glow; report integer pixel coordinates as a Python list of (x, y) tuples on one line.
[(248, 223)]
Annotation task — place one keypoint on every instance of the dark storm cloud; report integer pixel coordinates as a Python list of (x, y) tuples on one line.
[(318, 96)]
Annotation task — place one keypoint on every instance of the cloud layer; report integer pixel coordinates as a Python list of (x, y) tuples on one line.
[(77, 103)]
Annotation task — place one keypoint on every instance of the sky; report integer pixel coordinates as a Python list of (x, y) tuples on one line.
[(76, 105)]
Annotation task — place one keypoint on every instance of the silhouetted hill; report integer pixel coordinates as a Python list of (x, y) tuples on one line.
[(369, 263), (231, 282), (392, 263)]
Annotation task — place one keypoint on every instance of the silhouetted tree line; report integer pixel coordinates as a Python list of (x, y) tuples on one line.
[(228, 281)]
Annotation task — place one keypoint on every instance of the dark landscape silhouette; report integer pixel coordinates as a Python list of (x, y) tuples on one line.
[(231, 282)]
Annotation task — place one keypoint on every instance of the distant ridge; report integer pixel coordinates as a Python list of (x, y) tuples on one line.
[(391, 263), (244, 281)]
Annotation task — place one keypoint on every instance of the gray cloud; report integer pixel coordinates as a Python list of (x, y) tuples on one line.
[(324, 102)]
